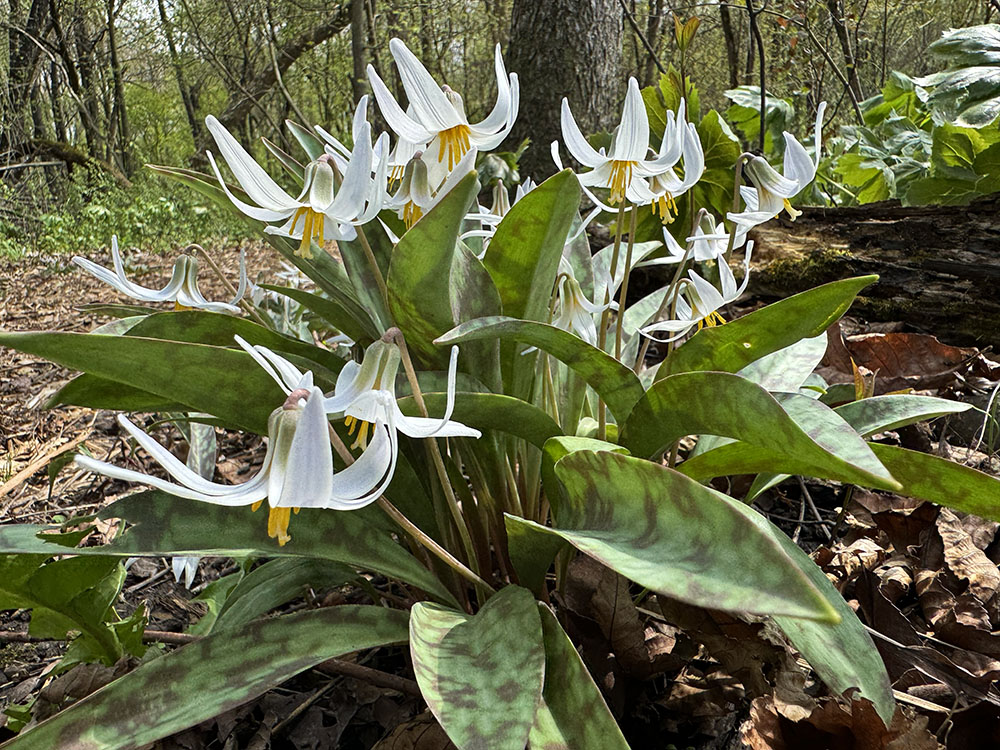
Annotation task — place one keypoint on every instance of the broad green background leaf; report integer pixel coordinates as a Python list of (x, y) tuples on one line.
[(523, 256), (70, 594), (732, 347), (420, 271), (726, 405), (967, 93), (672, 535), (211, 676), (531, 553), (887, 412), (614, 381), (273, 584), (167, 525), (339, 314), (842, 653), (941, 481), (211, 379), (481, 676), (573, 714)]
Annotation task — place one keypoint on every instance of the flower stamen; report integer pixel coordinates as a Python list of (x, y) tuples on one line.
[(793, 213), (313, 229), (277, 522), (362, 439), (621, 177), (666, 207), (411, 214), (711, 320), (456, 142)]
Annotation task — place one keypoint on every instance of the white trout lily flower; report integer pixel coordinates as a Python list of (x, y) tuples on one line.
[(489, 219), (298, 467), (357, 201), (436, 115), (773, 192), (625, 168), (680, 138), (417, 193), (182, 289), (699, 301), (576, 312)]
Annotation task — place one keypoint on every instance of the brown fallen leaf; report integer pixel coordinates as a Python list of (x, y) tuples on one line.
[(420, 733), (834, 726), (965, 558)]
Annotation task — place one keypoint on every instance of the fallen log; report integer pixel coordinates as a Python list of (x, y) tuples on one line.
[(938, 266)]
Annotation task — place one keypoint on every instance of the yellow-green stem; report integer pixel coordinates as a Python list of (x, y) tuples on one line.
[(602, 333), (230, 289), (624, 293), (376, 271)]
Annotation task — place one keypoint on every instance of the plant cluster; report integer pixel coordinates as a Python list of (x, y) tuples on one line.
[(499, 410)]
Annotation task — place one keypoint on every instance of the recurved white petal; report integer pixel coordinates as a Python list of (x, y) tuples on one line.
[(430, 105), (632, 138), (252, 178), (308, 471), (405, 126), (578, 146)]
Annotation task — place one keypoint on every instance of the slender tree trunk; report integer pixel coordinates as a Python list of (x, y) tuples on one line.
[(558, 48), (120, 109), (175, 62), (850, 64), (732, 46), (654, 35), (358, 80)]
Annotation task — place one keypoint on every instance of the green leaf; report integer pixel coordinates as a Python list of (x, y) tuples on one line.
[(345, 315), (310, 142), (211, 379), (732, 347), (674, 536), (420, 271), (523, 256), (70, 594), (275, 583), (167, 525), (211, 676), (881, 413), (573, 714), (726, 405), (615, 382), (491, 411), (842, 653), (481, 676), (942, 481), (967, 93), (531, 553), (100, 393)]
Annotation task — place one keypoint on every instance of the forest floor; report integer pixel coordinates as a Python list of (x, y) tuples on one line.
[(924, 579)]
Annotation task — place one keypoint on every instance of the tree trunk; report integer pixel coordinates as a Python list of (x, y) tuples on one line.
[(558, 48), (654, 35), (850, 64), (937, 265), (175, 62), (732, 46), (120, 115), (359, 83)]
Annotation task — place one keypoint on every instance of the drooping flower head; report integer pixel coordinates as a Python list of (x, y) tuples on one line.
[(418, 193), (436, 115), (773, 192), (182, 289), (358, 199)]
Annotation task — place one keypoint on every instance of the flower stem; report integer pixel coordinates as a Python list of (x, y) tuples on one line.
[(411, 528), (624, 293), (602, 334), (435, 452), (376, 271)]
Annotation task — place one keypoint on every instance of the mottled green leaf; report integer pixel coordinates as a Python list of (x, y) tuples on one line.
[(615, 382), (942, 481), (491, 411), (100, 393), (531, 553), (420, 271), (211, 676), (787, 369), (223, 382), (273, 584), (573, 714), (523, 256), (731, 347), (726, 405), (481, 676), (672, 535), (842, 653), (167, 525)]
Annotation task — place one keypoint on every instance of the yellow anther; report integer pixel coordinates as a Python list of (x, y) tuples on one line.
[(277, 524), (666, 207), (456, 142), (621, 177), (711, 320), (793, 213), (411, 214), (395, 175), (312, 229)]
